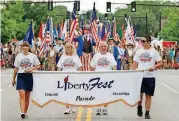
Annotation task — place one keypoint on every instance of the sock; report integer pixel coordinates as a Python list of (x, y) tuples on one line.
[(147, 112)]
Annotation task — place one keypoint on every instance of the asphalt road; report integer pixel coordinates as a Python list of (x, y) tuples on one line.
[(165, 104)]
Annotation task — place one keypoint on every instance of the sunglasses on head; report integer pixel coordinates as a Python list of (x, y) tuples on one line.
[(143, 41)]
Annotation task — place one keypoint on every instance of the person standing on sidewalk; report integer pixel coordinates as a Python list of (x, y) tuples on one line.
[(147, 58)]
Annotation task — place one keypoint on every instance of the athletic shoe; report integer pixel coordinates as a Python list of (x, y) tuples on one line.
[(139, 111), (67, 111), (105, 111), (147, 116), (23, 116), (98, 112), (73, 109)]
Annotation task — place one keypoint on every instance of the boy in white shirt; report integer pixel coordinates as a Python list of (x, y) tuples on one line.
[(147, 58), (103, 61)]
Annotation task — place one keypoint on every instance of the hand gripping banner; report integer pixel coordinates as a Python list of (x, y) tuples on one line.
[(86, 89)]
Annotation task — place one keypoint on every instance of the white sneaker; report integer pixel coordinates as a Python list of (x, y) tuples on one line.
[(105, 111), (67, 111), (98, 111), (73, 109)]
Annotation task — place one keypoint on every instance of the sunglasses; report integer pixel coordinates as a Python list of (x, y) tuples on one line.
[(143, 41)]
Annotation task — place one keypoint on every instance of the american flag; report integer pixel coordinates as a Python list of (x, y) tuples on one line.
[(124, 35), (74, 25), (44, 46), (93, 27), (80, 32), (132, 29), (115, 34)]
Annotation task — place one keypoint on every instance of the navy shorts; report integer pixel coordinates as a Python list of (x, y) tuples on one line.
[(24, 81), (148, 86)]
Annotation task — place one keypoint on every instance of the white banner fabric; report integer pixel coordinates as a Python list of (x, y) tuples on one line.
[(86, 89)]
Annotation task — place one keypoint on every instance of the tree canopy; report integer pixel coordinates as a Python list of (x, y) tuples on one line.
[(15, 18)]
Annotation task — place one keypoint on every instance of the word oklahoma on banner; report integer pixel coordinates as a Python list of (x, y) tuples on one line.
[(86, 89)]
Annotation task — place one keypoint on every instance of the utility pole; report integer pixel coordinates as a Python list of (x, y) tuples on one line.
[(160, 21), (146, 31)]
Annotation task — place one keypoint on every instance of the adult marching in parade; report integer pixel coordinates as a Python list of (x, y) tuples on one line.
[(103, 61), (25, 63), (69, 61), (85, 47), (147, 58)]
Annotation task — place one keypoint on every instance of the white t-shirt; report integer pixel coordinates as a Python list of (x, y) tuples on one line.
[(146, 59), (103, 62), (69, 63), (23, 62)]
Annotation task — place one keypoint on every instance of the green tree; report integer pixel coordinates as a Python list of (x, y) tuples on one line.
[(12, 25)]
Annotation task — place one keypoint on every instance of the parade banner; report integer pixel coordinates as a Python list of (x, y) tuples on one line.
[(86, 89)]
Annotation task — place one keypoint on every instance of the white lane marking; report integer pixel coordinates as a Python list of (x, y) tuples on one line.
[(168, 87), (10, 86), (2, 90), (175, 76)]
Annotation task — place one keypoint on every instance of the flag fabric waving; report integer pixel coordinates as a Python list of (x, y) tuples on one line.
[(74, 25), (29, 35)]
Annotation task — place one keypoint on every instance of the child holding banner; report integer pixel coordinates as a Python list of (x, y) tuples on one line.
[(103, 61), (147, 59), (69, 61), (25, 63)]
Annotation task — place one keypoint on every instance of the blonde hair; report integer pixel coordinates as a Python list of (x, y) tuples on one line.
[(72, 46)]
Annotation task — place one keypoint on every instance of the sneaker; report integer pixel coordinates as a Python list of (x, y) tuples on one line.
[(139, 111), (105, 111), (147, 116), (67, 111), (23, 116), (98, 112), (73, 109)]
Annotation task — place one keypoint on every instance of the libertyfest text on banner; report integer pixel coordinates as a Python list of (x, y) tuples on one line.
[(86, 89)]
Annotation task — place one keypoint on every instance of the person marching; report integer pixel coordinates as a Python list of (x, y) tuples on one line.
[(113, 49), (51, 58), (69, 61), (58, 50), (147, 58), (25, 63), (103, 61), (85, 47)]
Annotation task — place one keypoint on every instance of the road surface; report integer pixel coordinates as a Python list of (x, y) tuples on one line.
[(165, 104)]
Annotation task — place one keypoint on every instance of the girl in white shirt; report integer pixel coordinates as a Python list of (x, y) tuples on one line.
[(25, 63), (69, 61)]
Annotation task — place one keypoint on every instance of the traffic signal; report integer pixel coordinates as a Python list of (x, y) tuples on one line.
[(50, 5), (77, 5), (133, 7), (108, 7)]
